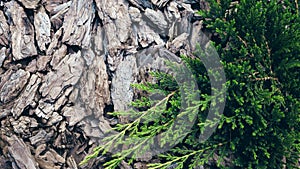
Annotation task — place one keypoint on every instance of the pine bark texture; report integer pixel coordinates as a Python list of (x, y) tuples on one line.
[(65, 64)]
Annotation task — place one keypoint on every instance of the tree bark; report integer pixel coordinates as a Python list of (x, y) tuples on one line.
[(65, 64)]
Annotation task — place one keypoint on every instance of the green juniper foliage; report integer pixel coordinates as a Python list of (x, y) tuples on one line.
[(259, 45), (157, 118)]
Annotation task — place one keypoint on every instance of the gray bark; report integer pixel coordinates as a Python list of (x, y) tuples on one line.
[(64, 64)]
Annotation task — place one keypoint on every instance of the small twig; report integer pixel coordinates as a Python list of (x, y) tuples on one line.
[(265, 78), (297, 7), (244, 42)]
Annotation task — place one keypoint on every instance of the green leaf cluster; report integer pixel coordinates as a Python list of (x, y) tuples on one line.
[(259, 45)]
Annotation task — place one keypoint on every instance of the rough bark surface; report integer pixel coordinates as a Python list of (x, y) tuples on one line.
[(65, 64)]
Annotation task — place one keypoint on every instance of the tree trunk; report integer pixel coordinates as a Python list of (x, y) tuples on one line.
[(65, 64)]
